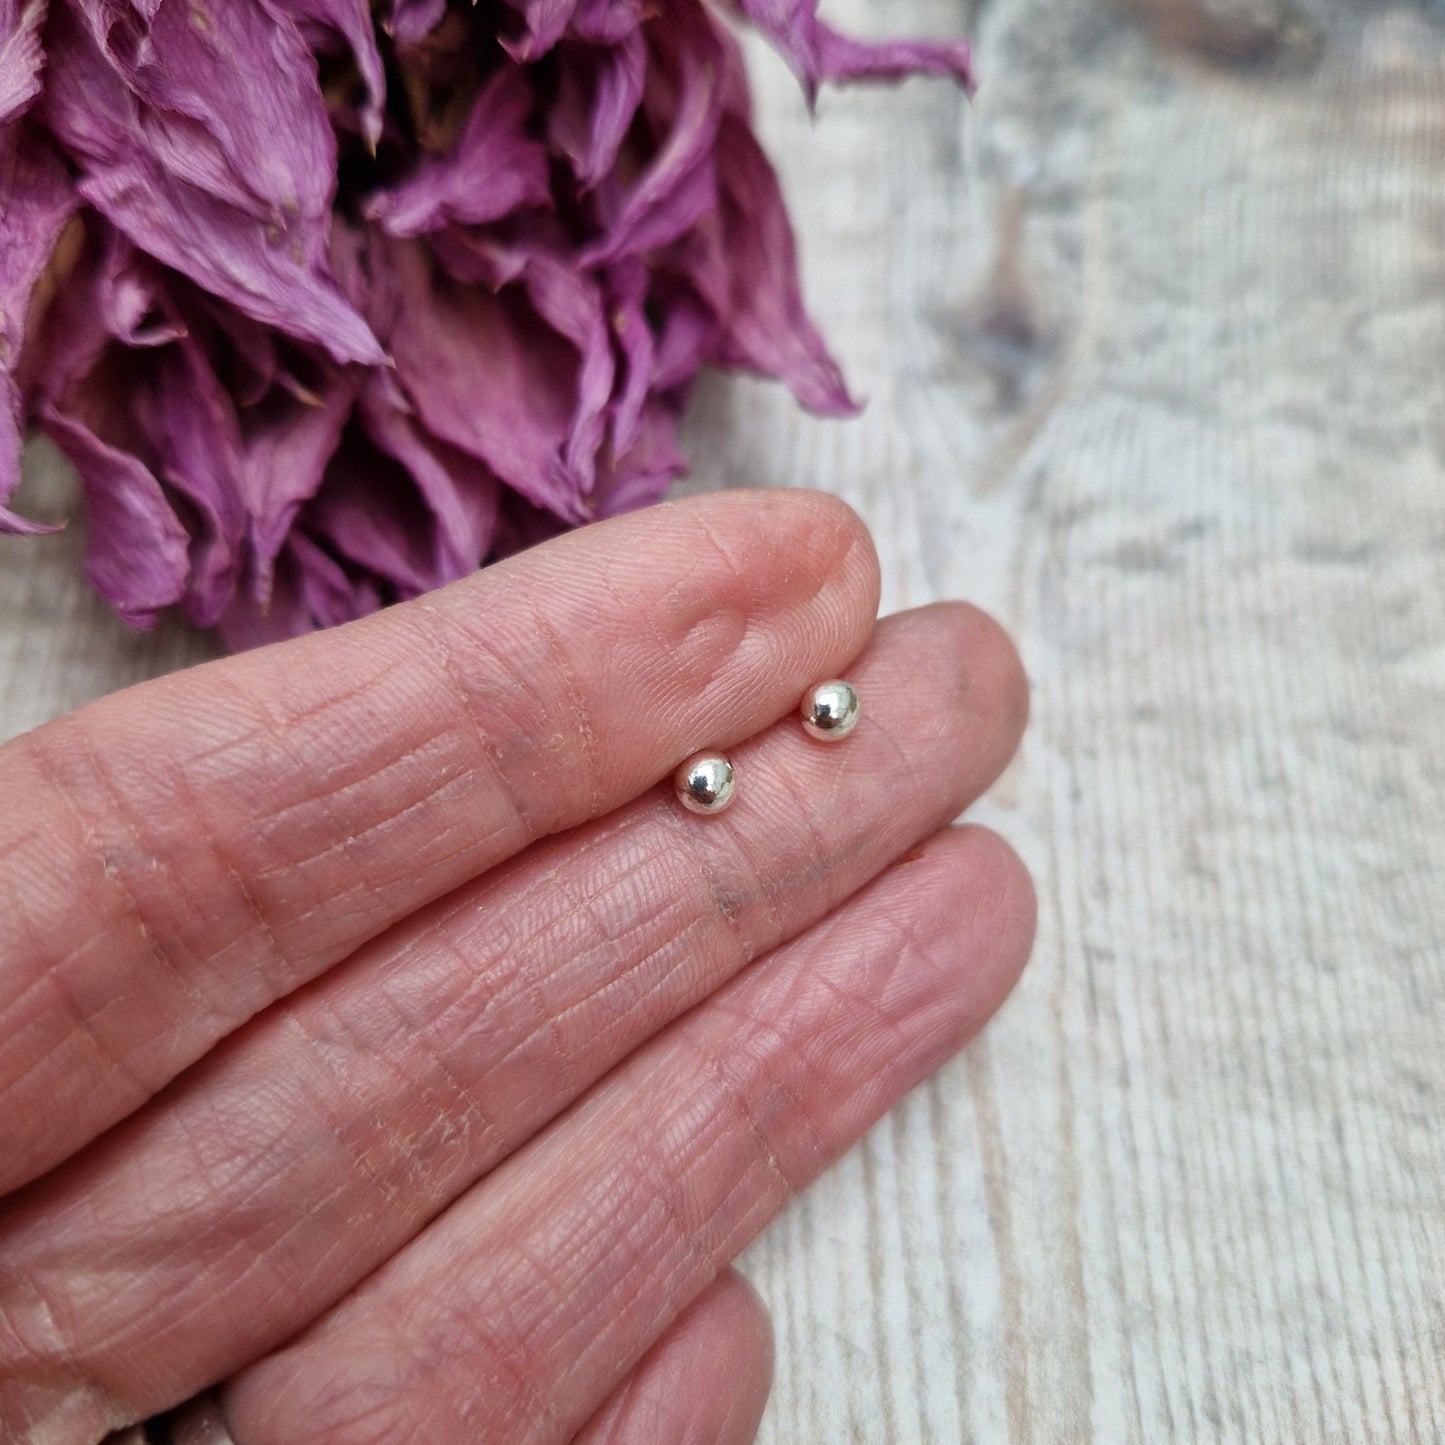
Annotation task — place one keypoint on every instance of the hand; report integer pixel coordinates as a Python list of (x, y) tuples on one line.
[(379, 1037)]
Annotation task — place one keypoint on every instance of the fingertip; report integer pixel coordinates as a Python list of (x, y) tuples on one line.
[(840, 533), (1006, 882), (857, 555), (999, 674), (816, 537), (750, 1323), (991, 683), (707, 1380), (992, 899), (750, 1329)]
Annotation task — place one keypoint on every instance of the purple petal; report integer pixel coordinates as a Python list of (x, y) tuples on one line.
[(637, 479), (488, 377), (192, 429), (252, 351), (817, 53), (461, 492), (607, 22), (172, 418), (326, 591), (642, 474), (137, 554), (274, 270), (686, 341), (35, 205), (130, 295), (21, 55), (230, 256), (628, 293), (494, 169), (351, 21), (375, 516), (413, 20), (12, 444), (546, 22), (572, 304), (164, 433), (595, 230), (286, 453), (75, 335), (743, 263), (842, 59), (112, 292), (599, 91), (312, 590), (685, 94), (370, 515), (232, 106)]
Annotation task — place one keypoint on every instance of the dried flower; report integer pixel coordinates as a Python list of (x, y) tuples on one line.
[(328, 301)]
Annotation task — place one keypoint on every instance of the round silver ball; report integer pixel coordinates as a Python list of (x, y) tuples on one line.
[(705, 783), (830, 710)]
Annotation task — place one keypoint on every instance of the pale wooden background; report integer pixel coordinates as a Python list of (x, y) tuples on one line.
[(1154, 338)]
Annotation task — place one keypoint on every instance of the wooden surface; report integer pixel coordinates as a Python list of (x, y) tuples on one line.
[(1154, 341)]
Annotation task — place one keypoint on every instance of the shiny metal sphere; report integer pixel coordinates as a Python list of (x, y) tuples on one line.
[(830, 710), (705, 783)]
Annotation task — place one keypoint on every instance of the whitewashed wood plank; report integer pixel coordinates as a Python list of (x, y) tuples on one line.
[(1153, 348)]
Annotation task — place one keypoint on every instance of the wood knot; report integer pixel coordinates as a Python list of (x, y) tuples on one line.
[(1000, 328)]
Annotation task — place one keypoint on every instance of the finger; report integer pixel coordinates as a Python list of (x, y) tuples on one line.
[(705, 1382), (175, 857), (523, 1304), (279, 1171)]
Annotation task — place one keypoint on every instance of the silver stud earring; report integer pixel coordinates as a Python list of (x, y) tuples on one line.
[(830, 710), (705, 783)]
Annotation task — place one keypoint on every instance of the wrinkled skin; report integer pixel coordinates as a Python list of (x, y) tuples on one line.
[(381, 1043)]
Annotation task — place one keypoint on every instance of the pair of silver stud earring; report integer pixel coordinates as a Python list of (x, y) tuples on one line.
[(706, 784)]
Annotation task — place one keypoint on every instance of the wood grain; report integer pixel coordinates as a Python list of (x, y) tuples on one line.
[(1153, 338)]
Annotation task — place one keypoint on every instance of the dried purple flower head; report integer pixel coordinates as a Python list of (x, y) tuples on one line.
[(328, 301)]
